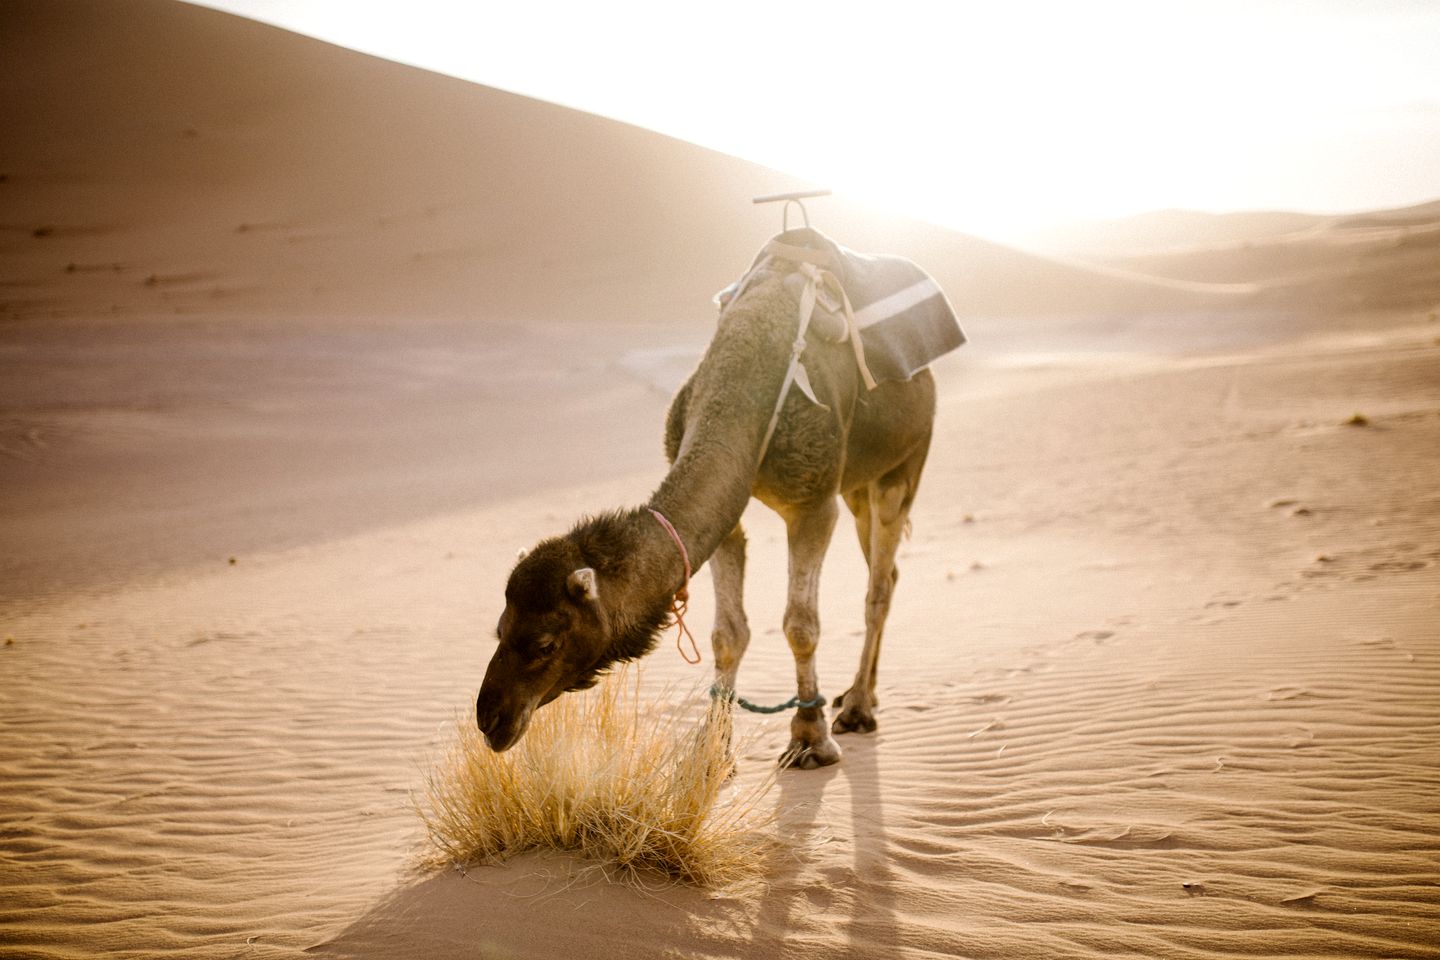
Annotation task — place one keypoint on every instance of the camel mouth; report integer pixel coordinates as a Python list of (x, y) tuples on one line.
[(499, 746), (503, 737), (503, 732)]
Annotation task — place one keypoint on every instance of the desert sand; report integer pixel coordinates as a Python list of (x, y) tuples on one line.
[(297, 347)]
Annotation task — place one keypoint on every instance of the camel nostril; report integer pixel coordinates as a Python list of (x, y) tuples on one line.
[(485, 715)]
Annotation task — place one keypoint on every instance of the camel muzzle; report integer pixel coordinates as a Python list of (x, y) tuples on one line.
[(503, 724)]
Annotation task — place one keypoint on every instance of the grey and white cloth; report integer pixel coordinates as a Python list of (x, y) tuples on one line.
[(904, 318)]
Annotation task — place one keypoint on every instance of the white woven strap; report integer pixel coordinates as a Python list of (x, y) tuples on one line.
[(814, 265), (793, 373), (818, 278)]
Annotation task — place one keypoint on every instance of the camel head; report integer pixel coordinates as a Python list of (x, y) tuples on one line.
[(552, 640), (564, 624)]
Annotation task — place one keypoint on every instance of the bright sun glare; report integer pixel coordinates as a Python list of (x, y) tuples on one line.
[(993, 118)]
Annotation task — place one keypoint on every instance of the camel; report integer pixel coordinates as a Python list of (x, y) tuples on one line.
[(579, 603)]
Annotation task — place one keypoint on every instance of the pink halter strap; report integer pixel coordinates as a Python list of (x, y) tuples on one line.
[(682, 596)]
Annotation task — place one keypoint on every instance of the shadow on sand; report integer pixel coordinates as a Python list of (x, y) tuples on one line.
[(539, 906)]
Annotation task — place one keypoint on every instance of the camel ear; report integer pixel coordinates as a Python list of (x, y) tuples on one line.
[(583, 586), (521, 554)]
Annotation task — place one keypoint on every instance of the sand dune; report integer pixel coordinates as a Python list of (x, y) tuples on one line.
[(224, 164), (1388, 260), (298, 346), (1164, 231)]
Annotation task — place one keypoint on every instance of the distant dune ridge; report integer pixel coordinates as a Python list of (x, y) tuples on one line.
[(178, 156), (297, 346)]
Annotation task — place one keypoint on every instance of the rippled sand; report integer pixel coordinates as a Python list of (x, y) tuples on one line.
[(1160, 680)]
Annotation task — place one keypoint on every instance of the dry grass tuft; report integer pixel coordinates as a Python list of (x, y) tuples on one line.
[(609, 778)]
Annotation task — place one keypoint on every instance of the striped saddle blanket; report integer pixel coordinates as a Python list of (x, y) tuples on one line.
[(903, 318)]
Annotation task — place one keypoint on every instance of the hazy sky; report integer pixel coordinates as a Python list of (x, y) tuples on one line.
[(992, 117)]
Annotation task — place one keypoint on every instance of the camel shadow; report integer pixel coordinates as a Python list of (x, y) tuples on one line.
[(818, 885), (872, 928), (533, 906)]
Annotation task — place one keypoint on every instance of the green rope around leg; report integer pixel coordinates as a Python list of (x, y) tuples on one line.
[(718, 692)]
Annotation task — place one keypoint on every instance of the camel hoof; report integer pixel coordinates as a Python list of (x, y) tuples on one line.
[(854, 720), (808, 756), (731, 770)]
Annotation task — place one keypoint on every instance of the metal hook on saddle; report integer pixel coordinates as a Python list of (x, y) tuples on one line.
[(788, 198)]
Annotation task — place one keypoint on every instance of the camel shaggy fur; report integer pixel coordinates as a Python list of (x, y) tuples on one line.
[(581, 602)]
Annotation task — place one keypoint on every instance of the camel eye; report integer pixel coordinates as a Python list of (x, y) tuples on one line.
[(545, 643)]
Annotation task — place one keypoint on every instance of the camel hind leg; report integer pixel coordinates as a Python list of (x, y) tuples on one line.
[(882, 514)]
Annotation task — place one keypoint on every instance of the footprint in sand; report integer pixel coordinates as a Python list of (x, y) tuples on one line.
[(1098, 637), (218, 636), (1290, 505), (1114, 835), (1219, 604), (1324, 565), (1286, 693), (1302, 737), (1387, 644), (1227, 602), (1387, 566)]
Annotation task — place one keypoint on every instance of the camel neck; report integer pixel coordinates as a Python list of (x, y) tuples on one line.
[(701, 509), (729, 403), (664, 521), (710, 484)]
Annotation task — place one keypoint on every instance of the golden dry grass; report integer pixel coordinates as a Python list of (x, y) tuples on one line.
[(610, 778)]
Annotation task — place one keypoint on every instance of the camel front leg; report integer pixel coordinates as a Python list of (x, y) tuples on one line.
[(809, 535), (731, 634)]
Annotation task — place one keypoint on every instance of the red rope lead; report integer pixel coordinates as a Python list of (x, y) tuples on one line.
[(679, 609), (682, 596)]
